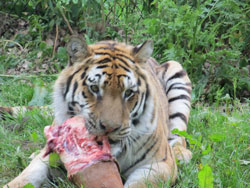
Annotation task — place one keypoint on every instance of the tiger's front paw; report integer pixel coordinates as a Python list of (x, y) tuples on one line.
[(18, 182), (182, 153)]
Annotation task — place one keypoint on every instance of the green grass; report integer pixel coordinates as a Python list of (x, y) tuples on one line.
[(210, 38), (220, 140), (223, 142)]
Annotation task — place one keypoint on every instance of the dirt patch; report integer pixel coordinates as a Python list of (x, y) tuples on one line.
[(10, 25)]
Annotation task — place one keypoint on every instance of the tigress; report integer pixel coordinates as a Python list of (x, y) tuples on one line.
[(124, 94)]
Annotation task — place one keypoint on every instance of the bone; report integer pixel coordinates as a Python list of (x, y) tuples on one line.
[(99, 175)]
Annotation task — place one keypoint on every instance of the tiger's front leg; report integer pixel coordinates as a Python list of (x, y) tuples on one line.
[(36, 173), (153, 173)]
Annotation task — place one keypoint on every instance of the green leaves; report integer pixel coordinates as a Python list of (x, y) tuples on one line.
[(54, 160), (192, 141), (205, 177), (217, 137), (34, 136), (29, 185), (210, 38)]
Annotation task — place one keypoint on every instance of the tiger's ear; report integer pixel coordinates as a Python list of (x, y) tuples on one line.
[(144, 51), (77, 49)]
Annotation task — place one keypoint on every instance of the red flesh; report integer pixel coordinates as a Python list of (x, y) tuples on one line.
[(72, 142)]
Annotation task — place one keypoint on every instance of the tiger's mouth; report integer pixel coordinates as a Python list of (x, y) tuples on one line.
[(115, 136), (99, 140)]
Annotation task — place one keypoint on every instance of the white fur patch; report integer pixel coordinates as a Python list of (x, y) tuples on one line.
[(139, 175)]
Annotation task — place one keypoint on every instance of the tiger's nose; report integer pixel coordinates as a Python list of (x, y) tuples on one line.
[(107, 127)]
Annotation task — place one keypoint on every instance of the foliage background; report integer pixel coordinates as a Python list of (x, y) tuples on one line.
[(210, 38)]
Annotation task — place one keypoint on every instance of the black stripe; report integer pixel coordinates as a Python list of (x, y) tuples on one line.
[(103, 61), (177, 83), (91, 79), (103, 53), (74, 89), (73, 103), (91, 123), (84, 82), (71, 109), (143, 156), (124, 132), (183, 88), (180, 115), (83, 75), (135, 114), (114, 66), (98, 75), (126, 57), (147, 92), (146, 98), (102, 66), (113, 141), (123, 61), (71, 113), (138, 48), (135, 121), (84, 72), (145, 101), (139, 82), (178, 75), (121, 75), (126, 69), (105, 82), (69, 82), (179, 97), (146, 141), (153, 116), (187, 105), (134, 106), (136, 138), (165, 66)]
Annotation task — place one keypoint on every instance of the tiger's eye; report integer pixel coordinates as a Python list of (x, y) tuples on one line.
[(128, 93), (94, 88)]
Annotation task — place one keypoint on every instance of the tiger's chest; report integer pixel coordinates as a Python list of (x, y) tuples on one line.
[(141, 147), (132, 154)]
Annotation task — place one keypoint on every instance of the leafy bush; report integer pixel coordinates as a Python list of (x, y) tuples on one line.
[(210, 38)]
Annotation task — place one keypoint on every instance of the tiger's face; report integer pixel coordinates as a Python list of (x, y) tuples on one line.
[(110, 94), (103, 83)]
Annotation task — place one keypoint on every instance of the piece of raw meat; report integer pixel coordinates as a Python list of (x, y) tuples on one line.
[(87, 161)]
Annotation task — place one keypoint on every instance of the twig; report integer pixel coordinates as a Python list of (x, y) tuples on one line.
[(103, 16), (55, 43), (67, 22), (8, 14), (19, 45)]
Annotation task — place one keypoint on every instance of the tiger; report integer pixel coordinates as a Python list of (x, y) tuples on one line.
[(124, 94)]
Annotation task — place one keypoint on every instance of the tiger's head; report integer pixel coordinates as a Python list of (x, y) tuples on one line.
[(105, 83)]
